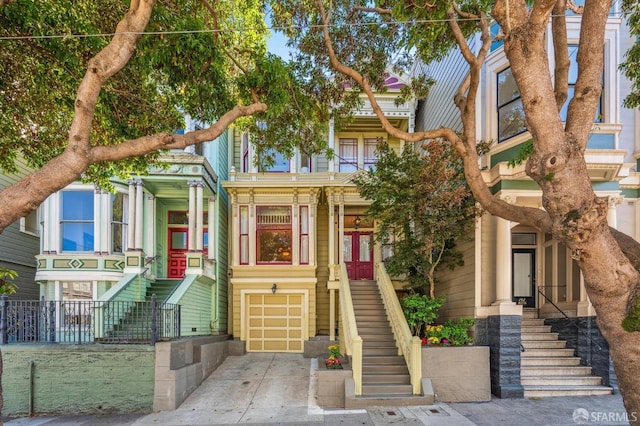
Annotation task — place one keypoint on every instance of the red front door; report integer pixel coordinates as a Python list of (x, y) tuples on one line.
[(177, 263), (358, 255)]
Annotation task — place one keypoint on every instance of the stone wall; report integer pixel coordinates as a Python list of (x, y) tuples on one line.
[(69, 379)]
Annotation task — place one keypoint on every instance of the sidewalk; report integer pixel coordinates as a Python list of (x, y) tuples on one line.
[(278, 388)]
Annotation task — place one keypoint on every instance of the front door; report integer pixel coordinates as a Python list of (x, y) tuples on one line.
[(177, 262), (358, 255), (524, 277)]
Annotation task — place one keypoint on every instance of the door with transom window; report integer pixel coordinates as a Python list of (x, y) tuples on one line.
[(358, 255)]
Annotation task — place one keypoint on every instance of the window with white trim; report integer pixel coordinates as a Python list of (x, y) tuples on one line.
[(30, 224), (119, 219), (510, 110), (244, 235), (348, 155), (304, 235), (76, 221), (273, 234)]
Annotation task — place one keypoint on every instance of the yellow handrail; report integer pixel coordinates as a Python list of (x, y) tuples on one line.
[(409, 346), (349, 338)]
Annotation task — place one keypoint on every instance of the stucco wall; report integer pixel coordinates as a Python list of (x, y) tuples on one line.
[(78, 379)]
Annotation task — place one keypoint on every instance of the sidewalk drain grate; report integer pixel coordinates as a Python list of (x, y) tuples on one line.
[(434, 410), (391, 413)]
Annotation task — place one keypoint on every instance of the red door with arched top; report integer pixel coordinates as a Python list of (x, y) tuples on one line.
[(358, 255)]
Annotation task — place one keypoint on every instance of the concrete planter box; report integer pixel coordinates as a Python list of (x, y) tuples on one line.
[(458, 373), (330, 390)]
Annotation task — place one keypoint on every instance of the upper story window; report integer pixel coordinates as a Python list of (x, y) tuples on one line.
[(280, 162), (348, 155), (370, 158), (30, 224), (274, 234), (573, 78), (245, 152), (510, 111), (76, 220), (119, 220)]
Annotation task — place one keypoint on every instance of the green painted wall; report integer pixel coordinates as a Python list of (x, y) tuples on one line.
[(78, 380)]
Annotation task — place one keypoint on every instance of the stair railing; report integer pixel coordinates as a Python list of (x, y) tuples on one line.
[(409, 346), (349, 338), (571, 320)]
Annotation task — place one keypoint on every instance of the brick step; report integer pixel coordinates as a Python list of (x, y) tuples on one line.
[(560, 381), (394, 379), (539, 336), (536, 329), (547, 391), (544, 344), (547, 352), (552, 370), (386, 389), (548, 360)]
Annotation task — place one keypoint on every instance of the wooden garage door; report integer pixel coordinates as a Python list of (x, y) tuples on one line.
[(275, 323)]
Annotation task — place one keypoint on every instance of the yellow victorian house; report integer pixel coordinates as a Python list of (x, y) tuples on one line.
[(291, 227)]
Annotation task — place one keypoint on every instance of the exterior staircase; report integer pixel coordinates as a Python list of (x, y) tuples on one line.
[(548, 367), (162, 289), (385, 376)]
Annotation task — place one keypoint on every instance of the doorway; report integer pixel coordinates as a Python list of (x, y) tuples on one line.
[(523, 263), (358, 255), (177, 255)]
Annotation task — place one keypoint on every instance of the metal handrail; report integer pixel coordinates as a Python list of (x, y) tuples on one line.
[(572, 320), (349, 337), (410, 346)]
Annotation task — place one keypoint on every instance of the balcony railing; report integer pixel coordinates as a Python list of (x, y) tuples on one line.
[(87, 321)]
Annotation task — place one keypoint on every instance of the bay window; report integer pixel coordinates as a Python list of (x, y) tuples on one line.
[(273, 234), (76, 220), (348, 155), (119, 219), (510, 111), (304, 235)]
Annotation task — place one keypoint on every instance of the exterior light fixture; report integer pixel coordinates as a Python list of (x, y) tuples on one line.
[(274, 287), (357, 222)]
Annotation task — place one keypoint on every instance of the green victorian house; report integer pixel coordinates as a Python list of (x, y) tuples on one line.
[(163, 233)]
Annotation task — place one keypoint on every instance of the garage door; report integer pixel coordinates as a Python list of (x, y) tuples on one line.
[(275, 323)]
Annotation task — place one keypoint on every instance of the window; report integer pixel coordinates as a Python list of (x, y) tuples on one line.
[(280, 162), (370, 158), (510, 111), (77, 220), (245, 152), (304, 235), (305, 163), (348, 155), (77, 290), (273, 231), (244, 235), (76, 310), (388, 245), (30, 224), (573, 77), (119, 218)]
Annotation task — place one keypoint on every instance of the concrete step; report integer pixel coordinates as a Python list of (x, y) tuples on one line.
[(529, 313), (369, 360), (548, 360), (547, 352), (547, 391), (392, 379), (398, 400), (386, 389), (539, 336), (384, 369), (536, 329), (544, 344), (379, 351), (532, 321), (527, 381), (552, 370)]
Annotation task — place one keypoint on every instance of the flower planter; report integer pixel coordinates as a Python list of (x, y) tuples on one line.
[(330, 389), (458, 373)]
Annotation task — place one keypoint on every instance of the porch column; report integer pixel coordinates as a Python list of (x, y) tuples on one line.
[(191, 244), (332, 239), (138, 218), (332, 314), (211, 253), (503, 262), (149, 245), (612, 218), (332, 145), (132, 211), (341, 233), (199, 217)]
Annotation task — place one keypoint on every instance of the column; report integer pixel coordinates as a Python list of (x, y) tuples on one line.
[(131, 226), (612, 218), (191, 244), (332, 239), (149, 244), (341, 232), (332, 145), (199, 216), (212, 227), (503, 262), (139, 215)]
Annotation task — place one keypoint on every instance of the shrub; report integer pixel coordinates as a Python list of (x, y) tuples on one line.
[(451, 333), (420, 309)]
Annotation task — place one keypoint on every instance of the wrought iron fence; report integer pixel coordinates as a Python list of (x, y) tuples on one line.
[(87, 321)]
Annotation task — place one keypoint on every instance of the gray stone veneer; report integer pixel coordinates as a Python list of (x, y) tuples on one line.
[(502, 333), (583, 335)]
